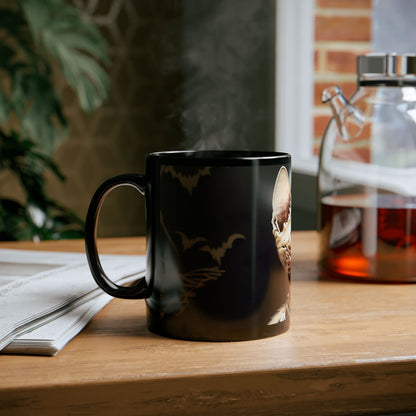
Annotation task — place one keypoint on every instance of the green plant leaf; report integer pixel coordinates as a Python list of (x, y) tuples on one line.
[(4, 107), (40, 217), (17, 38), (14, 223), (38, 109), (6, 55), (34, 34), (75, 43), (12, 22), (88, 79)]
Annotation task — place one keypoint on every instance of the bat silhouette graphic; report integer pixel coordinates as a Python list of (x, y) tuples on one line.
[(189, 182), (198, 279), (218, 253), (193, 281)]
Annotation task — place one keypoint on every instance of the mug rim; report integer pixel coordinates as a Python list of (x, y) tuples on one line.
[(221, 157)]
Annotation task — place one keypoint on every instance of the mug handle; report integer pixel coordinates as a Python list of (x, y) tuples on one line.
[(140, 289)]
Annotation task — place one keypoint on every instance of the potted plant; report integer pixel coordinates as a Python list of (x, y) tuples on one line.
[(37, 39)]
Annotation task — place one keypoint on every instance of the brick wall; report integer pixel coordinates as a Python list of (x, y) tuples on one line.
[(342, 32)]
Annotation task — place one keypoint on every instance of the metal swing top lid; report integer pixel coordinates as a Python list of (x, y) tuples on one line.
[(386, 68)]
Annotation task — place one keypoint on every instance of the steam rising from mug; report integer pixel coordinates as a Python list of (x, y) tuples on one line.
[(227, 94)]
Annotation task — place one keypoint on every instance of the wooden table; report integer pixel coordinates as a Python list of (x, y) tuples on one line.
[(351, 349)]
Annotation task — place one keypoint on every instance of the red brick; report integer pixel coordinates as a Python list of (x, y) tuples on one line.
[(344, 4), (356, 148), (365, 133), (342, 62), (353, 151), (319, 125), (343, 28), (316, 54)]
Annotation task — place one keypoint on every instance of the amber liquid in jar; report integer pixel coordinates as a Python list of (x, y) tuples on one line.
[(369, 237)]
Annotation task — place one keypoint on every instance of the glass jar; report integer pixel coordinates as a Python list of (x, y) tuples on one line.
[(367, 174)]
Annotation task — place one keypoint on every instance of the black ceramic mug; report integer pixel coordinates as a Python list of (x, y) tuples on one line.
[(218, 244)]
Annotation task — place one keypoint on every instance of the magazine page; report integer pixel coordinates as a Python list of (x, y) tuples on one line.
[(37, 287)]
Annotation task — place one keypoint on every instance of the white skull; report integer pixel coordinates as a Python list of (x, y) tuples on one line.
[(281, 218)]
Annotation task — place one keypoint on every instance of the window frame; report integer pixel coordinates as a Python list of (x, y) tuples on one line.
[(294, 83)]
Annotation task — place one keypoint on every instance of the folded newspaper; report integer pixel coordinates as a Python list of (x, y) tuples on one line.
[(46, 298)]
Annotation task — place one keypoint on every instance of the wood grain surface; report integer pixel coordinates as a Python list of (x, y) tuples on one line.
[(351, 349)]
